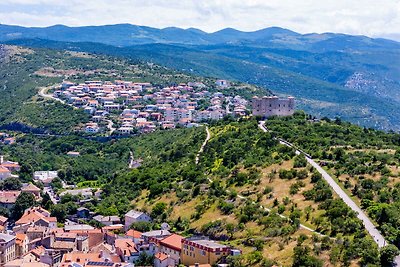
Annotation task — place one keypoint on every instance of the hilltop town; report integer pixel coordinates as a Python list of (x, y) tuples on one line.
[(123, 107)]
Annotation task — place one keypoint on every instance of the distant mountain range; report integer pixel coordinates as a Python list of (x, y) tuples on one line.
[(127, 35), (354, 77)]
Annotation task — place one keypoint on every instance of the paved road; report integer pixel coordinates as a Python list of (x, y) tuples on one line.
[(203, 145), (49, 190), (43, 93), (369, 226)]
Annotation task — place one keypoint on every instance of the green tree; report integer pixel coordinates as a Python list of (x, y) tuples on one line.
[(4, 212), (299, 161), (158, 209), (11, 184), (145, 260), (24, 201), (56, 183), (59, 211), (46, 201), (142, 226), (388, 254), (302, 257)]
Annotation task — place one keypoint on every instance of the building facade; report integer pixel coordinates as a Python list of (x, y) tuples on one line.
[(135, 216), (268, 106), (202, 251), (7, 248)]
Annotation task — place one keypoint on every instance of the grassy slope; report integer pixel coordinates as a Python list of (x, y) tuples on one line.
[(169, 175), (366, 163), (242, 147)]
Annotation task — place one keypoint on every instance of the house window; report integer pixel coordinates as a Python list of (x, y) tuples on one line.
[(202, 252)]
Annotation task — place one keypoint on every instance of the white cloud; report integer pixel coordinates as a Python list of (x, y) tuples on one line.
[(367, 17)]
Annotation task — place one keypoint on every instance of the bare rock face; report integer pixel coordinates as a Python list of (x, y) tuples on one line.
[(14, 53)]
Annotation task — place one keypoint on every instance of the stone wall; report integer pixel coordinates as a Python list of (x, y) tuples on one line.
[(268, 106)]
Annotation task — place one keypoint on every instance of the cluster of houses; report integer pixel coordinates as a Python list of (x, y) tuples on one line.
[(6, 139), (37, 240), (7, 168), (143, 107), (87, 239)]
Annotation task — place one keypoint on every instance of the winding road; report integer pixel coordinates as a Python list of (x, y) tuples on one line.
[(43, 93), (368, 224)]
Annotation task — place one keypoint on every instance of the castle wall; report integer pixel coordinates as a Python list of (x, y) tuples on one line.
[(268, 106)]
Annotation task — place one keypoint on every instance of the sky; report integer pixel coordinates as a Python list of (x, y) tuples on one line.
[(375, 18)]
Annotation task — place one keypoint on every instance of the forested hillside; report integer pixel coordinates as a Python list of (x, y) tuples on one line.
[(24, 70), (247, 190)]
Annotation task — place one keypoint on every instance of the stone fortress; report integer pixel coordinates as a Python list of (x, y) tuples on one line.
[(268, 106)]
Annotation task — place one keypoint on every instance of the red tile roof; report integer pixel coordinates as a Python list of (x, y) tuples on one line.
[(173, 241), (161, 256)]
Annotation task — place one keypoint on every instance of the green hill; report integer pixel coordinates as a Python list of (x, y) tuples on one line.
[(24, 70), (248, 190), (360, 85)]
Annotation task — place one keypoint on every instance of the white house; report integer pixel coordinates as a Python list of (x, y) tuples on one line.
[(107, 220), (45, 176), (134, 216), (4, 173)]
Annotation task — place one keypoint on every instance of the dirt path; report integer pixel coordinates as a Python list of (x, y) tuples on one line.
[(203, 145)]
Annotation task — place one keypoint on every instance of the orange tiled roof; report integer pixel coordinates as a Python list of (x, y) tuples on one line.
[(28, 218), (34, 215), (20, 237), (3, 219), (173, 241), (38, 251), (161, 256), (31, 187), (4, 170), (126, 246), (9, 196), (134, 233)]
